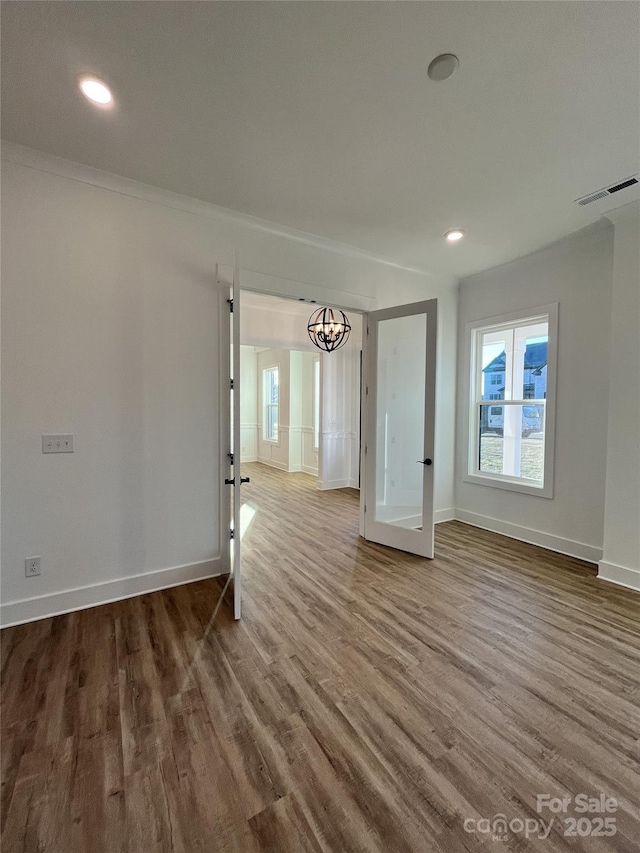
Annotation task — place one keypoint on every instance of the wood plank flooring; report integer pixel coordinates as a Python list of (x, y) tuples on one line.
[(368, 701)]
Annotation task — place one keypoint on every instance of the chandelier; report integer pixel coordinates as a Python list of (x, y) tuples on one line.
[(328, 329)]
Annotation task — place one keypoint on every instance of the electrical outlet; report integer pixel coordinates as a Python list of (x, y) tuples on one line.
[(32, 567), (57, 443)]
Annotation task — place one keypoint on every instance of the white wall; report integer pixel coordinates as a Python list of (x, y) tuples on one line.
[(340, 415), (109, 332), (275, 453), (576, 273), (281, 325), (307, 458), (110, 324), (275, 324), (621, 558), (293, 451)]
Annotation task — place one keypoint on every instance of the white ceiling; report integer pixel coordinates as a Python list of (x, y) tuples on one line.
[(299, 308), (320, 116)]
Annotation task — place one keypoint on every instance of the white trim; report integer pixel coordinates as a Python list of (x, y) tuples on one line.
[(417, 540), (44, 162), (249, 434), (441, 515), (224, 415), (470, 378), (273, 463), (333, 484), (338, 435), (580, 550), (620, 575), (93, 595)]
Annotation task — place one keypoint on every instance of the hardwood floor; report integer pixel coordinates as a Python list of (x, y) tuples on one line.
[(368, 701)]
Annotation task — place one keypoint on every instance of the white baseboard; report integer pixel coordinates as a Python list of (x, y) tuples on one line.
[(282, 466), (244, 459), (80, 598), (441, 515), (582, 551), (333, 484), (620, 575), (273, 463)]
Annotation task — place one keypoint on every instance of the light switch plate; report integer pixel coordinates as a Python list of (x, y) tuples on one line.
[(57, 443)]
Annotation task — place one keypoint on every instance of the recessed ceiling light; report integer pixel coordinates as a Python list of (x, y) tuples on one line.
[(454, 234), (443, 67), (96, 91)]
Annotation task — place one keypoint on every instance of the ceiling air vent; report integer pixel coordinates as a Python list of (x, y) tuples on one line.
[(623, 185), (607, 191)]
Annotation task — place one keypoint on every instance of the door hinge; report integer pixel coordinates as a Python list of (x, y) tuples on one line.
[(230, 301), (231, 384), (230, 455), (231, 533), (365, 450)]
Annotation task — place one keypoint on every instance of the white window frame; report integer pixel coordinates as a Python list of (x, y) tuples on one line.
[(317, 374), (474, 329), (266, 405)]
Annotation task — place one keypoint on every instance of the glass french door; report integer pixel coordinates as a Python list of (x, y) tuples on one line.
[(399, 417)]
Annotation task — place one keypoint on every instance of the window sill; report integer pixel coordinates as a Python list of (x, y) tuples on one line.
[(509, 485)]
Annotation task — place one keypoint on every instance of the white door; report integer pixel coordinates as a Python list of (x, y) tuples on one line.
[(230, 500), (236, 478), (398, 461)]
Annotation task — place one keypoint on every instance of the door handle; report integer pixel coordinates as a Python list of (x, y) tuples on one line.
[(245, 479), (425, 461), (232, 481)]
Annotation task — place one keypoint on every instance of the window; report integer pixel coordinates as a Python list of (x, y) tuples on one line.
[(270, 396), (316, 403), (511, 445)]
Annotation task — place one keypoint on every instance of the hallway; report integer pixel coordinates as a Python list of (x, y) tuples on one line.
[(369, 700)]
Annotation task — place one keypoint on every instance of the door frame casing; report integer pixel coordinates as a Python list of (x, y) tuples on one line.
[(224, 419)]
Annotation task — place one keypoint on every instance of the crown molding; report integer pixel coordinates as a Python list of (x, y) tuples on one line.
[(44, 162)]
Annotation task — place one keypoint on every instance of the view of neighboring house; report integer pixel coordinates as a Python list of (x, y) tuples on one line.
[(535, 374)]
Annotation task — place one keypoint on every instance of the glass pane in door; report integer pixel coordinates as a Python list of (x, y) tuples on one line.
[(400, 420)]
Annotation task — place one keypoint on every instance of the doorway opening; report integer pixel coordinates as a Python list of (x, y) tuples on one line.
[(297, 411), (299, 405)]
